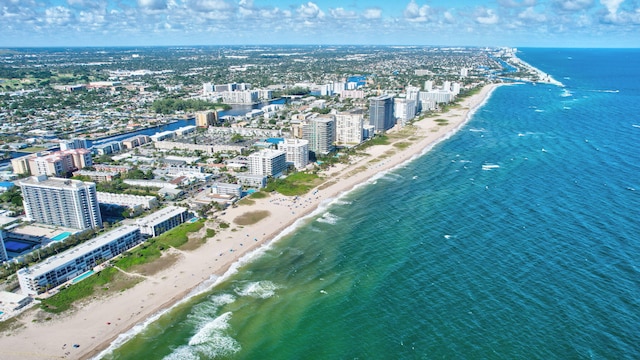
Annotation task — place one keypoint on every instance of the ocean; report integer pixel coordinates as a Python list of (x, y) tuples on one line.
[(517, 238)]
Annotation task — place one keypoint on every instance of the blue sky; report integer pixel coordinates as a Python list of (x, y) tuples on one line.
[(518, 23)]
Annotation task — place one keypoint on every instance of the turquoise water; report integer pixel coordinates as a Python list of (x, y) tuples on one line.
[(61, 236), (518, 238), (82, 276)]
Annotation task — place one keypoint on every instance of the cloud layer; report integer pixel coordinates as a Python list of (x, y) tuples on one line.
[(193, 22)]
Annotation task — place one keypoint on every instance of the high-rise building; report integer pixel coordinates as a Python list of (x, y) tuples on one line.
[(381, 112), (405, 109), (204, 119), (428, 85), (446, 85), (455, 88), (62, 202), (349, 127), (320, 132), (268, 162), (297, 152)]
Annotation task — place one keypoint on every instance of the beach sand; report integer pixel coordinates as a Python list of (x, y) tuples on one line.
[(97, 323)]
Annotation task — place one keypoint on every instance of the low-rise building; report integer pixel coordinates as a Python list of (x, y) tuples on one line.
[(135, 141), (162, 220), (118, 168), (227, 189), (254, 181), (132, 201), (71, 263), (97, 176)]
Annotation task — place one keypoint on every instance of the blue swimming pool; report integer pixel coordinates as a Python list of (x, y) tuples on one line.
[(61, 236), (82, 276)]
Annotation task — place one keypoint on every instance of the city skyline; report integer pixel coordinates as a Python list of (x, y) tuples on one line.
[(524, 23)]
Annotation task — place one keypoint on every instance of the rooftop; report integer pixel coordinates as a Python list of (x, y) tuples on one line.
[(73, 253)]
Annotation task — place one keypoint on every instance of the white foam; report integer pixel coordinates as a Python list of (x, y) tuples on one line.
[(328, 218), (566, 93), (258, 289), (183, 353), (204, 334), (210, 341)]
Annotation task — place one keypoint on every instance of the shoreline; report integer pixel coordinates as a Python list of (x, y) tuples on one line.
[(103, 324), (546, 78)]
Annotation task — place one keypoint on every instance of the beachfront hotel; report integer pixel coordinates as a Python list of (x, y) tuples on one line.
[(162, 220), (62, 202), (76, 261)]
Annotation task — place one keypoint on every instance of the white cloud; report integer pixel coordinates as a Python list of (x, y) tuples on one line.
[(416, 13), (448, 17), (515, 3), (529, 14), (574, 5), (153, 4), (487, 17), (208, 5), (341, 13), (58, 15), (87, 4), (372, 13), (612, 5), (310, 11), (91, 18)]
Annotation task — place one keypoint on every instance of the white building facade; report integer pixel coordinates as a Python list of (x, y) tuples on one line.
[(297, 152), (62, 202), (67, 265), (321, 134), (349, 128), (268, 162), (162, 220)]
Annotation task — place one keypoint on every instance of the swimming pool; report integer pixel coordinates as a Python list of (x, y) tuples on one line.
[(82, 276), (61, 236)]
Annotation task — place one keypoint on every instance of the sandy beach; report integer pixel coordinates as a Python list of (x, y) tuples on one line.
[(98, 323)]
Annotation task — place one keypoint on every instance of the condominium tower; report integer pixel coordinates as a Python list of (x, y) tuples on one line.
[(321, 134), (297, 152), (349, 127), (268, 162), (62, 202), (381, 112)]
